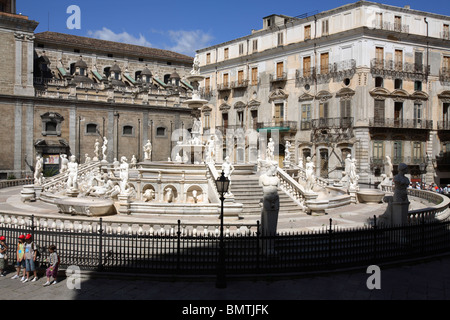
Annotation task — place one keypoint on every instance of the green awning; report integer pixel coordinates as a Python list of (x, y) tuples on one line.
[(283, 129)]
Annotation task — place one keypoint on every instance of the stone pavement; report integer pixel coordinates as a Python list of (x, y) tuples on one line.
[(427, 280)]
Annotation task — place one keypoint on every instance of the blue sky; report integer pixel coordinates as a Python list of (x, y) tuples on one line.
[(181, 26)]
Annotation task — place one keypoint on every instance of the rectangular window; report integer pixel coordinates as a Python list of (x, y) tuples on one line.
[(306, 117), (307, 32), (207, 85), (418, 114), (225, 53), (280, 39), (418, 61), (417, 152), (306, 66), (323, 114), (379, 57), (254, 114), (254, 76), (325, 25), (225, 80), (398, 60), (206, 121), (255, 45), (446, 114), (446, 64), (446, 32), (324, 61), (378, 150), (398, 154), (240, 119), (240, 77), (379, 20), (417, 85), (398, 23), (241, 49), (225, 120), (280, 69), (398, 114), (346, 111), (208, 58), (279, 112), (379, 112)]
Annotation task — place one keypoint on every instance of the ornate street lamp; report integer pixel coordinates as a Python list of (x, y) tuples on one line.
[(222, 184)]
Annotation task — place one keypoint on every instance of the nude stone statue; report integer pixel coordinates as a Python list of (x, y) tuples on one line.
[(72, 169)]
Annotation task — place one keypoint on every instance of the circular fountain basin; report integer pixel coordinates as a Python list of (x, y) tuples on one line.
[(90, 207), (370, 196)]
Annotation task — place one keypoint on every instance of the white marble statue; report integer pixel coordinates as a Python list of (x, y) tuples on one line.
[(64, 163), (388, 168), (72, 177), (228, 168), (133, 162), (309, 172), (87, 159), (96, 149), (104, 148), (196, 66), (124, 168), (116, 165), (38, 170), (287, 152), (197, 126), (270, 150), (147, 150), (148, 195), (270, 204), (211, 150), (353, 177), (169, 195), (300, 162)]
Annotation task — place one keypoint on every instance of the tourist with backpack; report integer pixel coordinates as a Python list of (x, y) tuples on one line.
[(30, 258), (52, 270)]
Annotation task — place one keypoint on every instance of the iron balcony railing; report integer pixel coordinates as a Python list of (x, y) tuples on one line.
[(398, 69), (224, 86), (409, 160), (384, 25), (324, 123), (443, 125), (444, 74), (239, 84), (278, 77), (289, 125), (337, 70), (401, 123)]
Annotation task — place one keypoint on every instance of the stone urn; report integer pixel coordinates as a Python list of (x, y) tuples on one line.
[(317, 207), (27, 194)]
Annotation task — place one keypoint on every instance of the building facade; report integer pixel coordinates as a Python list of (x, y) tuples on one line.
[(365, 79), (60, 93)]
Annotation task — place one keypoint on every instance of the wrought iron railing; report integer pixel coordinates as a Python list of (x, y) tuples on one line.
[(277, 124), (398, 69), (401, 123), (324, 123), (384, 25)]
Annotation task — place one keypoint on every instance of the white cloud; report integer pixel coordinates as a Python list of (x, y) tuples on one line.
[(187, 42), (125, 37)]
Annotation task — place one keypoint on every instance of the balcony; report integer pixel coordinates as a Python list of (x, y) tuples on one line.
[(224, 86), (389, 26), (230, 128), (444, 74), (396, 160), (239, 84), (332, 123), (398, 70), (277, 125), (338, 71), (401, 123), (278, 77), (443, 125)]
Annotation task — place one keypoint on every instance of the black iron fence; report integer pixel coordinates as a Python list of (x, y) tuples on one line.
[(183, 253)]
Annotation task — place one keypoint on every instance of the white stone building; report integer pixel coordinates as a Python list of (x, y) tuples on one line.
[(365, 79)]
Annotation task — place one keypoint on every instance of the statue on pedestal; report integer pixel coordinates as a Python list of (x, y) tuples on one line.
[(96, 149), (287, 152), (147, 150), (104, 148), (310, 177), (211, 150), (401, 184), (72, 179), (38, 171), (228, 168), (352, 176), (64, 163), (270, 150), (124, 175)]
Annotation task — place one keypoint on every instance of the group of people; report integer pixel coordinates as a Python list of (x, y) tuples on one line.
[(431, 187), (26, 260)]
